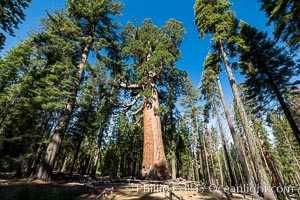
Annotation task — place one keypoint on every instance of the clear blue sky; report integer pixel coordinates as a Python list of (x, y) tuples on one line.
[(193, 50)]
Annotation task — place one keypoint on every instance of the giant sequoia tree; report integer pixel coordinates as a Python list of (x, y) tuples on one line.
[(151, 52), (215, 17)]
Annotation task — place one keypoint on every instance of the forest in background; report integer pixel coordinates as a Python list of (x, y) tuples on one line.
[(85, 95)]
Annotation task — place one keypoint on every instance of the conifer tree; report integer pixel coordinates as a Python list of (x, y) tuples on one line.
[(170, 118), (285, 16), (192, 111), (184, 151), (268, 70), (212, 88), (216, 18), (11, 15), (88, 114), (154, 52), (32, 81), (88, 24)]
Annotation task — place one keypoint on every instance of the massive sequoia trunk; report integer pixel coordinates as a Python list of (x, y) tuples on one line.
[(47, 163), (255, 156), (154, 165)]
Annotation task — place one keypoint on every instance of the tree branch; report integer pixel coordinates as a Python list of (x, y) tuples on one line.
[(137, 110), (128, 105)]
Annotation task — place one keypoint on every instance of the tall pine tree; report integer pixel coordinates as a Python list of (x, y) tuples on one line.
[(216, 18), (88, 26), (11, 15), (268, 70), (285, 16)]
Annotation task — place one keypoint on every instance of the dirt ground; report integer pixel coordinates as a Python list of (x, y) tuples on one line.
[(12, 188)]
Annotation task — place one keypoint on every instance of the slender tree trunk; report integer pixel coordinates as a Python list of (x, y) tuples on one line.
[(205, 165), (284, 107), (211, 169), (202, 158), (290, 146), (253, 168), (195, 137), (173, 165), (237, 140), (226, 175), (154, 163), (220, 170), (275, 176), (264, 183), (47, 163), (200, 164), (210, 161), (192, 171), (97, 153), (208, 171), (75, 155), (196, 170), (173, 133), (63, 169), (224, 143), (239, 174)]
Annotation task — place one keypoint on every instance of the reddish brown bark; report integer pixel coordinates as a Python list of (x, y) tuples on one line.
[(154, 165), (275, 179)]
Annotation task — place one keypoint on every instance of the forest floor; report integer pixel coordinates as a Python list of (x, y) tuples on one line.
[(12, 188)]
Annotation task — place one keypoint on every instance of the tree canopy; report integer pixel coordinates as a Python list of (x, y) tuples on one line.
[(11, 15), (285, 17)]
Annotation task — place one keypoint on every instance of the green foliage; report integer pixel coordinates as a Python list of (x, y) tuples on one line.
[(32, 87), (285, 150), (94, 21), (11, 15), (183, 153), (209, 78), (264, 65), (192, 109), (153, 52), (285, 16), (122, 155), (37, 78), (216, 18), (14, 64)]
